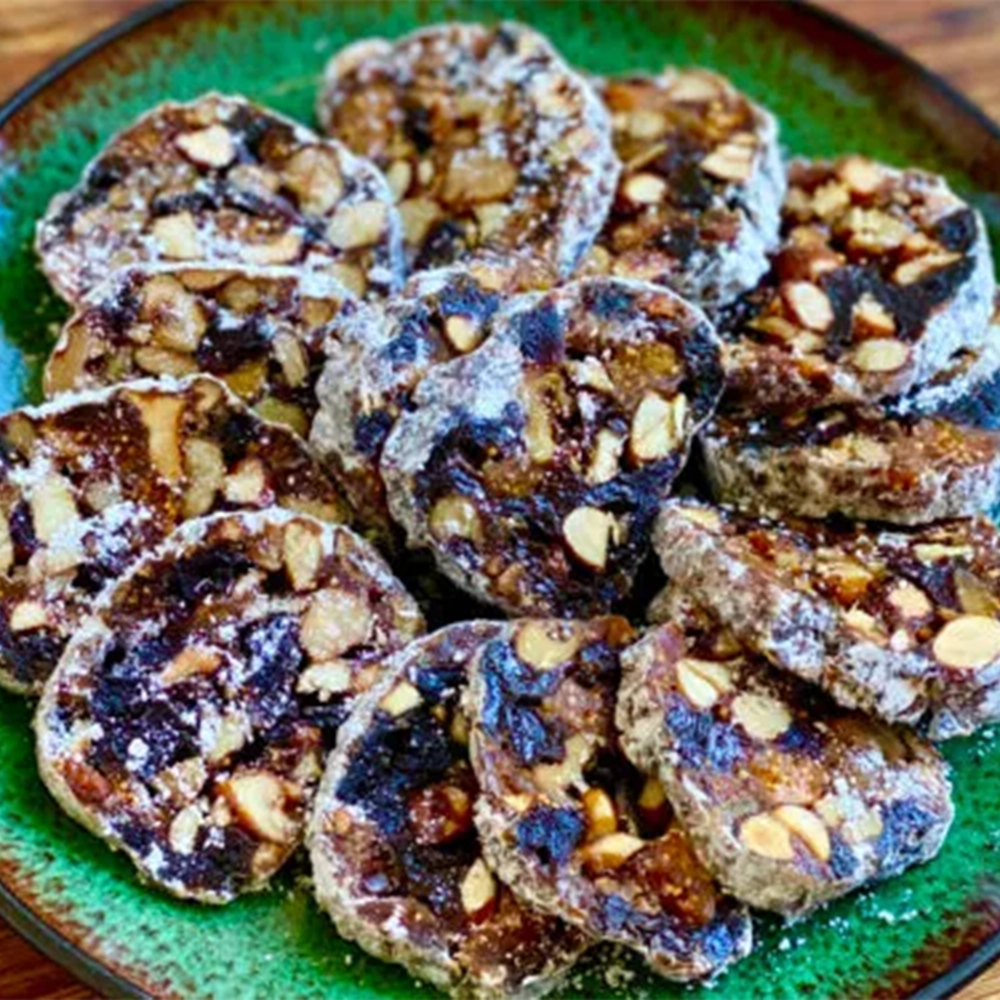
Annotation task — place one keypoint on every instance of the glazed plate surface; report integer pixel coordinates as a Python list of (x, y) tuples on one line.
[(834, 91)]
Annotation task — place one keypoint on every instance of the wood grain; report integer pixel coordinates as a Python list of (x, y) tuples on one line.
[(960, 39)]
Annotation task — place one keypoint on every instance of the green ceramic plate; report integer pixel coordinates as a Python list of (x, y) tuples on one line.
[(834, 91)]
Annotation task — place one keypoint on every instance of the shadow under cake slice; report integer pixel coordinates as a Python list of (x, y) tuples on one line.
[(790, 800), (186, 721), (396, 859), (489, 140), (223, 179), (881, 277), (901, 623), (565, 819), (698, 203), (260, 330), (92, 480), (533, 467)]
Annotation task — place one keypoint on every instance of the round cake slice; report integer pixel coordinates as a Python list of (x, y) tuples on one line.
[(900, 623), (223, 179), (565, 820), (533, 467), (860, 462), (488, 139), (92, 480), (178, 726), (396, 860), (378, 354), (698, 202), (790, 800), (260, 330), (882, 276)]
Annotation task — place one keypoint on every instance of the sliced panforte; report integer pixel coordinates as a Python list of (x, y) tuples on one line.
[(93, 480), (882, 276), (222, 179), (488, 140), (181, 726), (396, 859), (533, 468), (378, 354), (564, 818), (698, 202), (790, 800), (259, 330), (860, 462), (901, 623)]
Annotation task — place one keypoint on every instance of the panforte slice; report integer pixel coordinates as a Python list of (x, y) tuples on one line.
[(698, 202), (882, 276), (378, 354), (860, 462), (487, 137), (92, 480), (790, 800), (534, 466), (259, 330), (565, 819), (223, 179), (901, 623), (396, 859), (185, 722)]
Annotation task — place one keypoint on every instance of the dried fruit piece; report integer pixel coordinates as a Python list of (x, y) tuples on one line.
[(510, 463), (558, 800), (169, 187), (200, 730), (491, 141), (791, 800), (393, 828)]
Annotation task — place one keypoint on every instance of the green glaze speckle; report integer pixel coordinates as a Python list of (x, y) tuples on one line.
[(884, 942)]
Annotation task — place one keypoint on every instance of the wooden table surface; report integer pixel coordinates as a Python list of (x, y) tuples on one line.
[(959, 39)]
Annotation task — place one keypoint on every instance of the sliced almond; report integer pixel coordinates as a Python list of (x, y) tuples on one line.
[(588, 532), (606, 457), (478, 892), (246, 485), (355, 226), (808, 827), (610, 852), (335, 621), (730, 162), (880, 355), (283, 249), (403, 698), (919, 268), (258, 799), (645, 189), (703, 682), (809, 304), (292, 357), (463, 333), (544, 645), (968, 643), (865, 624), (761, 716), (860, 174), (871, 319), (209, 147)]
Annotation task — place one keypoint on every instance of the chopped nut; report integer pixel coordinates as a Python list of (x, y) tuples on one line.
[(920, 267), (645, 189), (291, 356), (768, 837), (730, 161), (479, 892), (335, 622), (538, 437), (159, 361), (440, 814), (206, 471), (401, 699), (184, 829), (542, 644), (555, 780), (455, 516), (607, 454), (28, 615), (880, 355), (418, 216), (591, 374), (610, 852), (703, 682), (809, 304), (258, 799), (808, 827), (860, 175), (968, 643), (910, 601), (847, 580), (478, 177), (587, 532), (178, 236), (360, 225), (693, 87), (871, 319), (231, 735), (6, 545), (867, 826), (248, 380), (703, 516), (974, 595), (161, 416), (599, 809), (928, 552), (177, 317), (652, 805), (762, 717), (190, 662), (53, 507), (325, 679), (283, 249), (208, 147), (658, 427), (399, 174), (864, 623), (463, 334), (247, 483), (303, 554), (275, 411), (313, 176)]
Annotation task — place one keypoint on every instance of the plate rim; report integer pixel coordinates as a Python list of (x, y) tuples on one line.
[(52, 942)]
